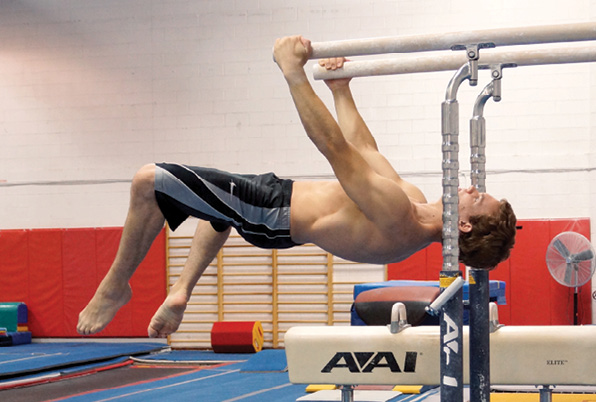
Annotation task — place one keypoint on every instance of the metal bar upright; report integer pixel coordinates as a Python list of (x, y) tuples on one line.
[(479, 289), (347, 393), (452, 311)]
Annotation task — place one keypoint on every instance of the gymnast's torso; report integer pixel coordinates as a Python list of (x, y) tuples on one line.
[(322, 213)]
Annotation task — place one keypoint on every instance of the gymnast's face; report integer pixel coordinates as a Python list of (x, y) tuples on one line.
[(472, 203)]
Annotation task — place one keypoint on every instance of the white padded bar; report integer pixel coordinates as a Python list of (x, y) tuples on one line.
[(445, 41), (520, 355), (454, 60)]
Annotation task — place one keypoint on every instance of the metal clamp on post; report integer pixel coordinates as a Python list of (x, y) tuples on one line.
[(496, 74), (473, 54), (435, 307)]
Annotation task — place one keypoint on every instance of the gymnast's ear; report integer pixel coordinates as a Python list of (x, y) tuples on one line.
[(465, 226)]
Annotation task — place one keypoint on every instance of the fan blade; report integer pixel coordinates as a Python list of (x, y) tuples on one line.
[(561, 248), (585, 255), (568, 273)]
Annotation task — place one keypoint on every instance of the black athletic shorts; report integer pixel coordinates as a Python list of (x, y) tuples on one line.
[(258, 206)]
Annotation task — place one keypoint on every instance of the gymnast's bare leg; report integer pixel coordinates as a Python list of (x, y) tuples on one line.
[(204, 248), (143, 224)]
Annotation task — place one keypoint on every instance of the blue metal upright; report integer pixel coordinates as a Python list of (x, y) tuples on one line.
[(479, 292)]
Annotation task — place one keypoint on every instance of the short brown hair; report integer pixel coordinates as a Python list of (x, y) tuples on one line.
[(490, 240)]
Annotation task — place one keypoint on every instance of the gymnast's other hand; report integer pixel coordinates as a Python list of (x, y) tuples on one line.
[(333, 64)]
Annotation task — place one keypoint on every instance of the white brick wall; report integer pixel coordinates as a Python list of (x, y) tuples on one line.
[(92, 90)]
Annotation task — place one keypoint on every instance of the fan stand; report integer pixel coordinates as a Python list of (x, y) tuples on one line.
[(575, 303), (571, 260)]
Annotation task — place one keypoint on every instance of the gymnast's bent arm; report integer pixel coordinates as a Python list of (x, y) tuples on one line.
[(376, 195), (350, 121), (357, 132)]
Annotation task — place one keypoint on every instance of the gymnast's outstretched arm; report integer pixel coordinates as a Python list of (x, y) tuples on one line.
[(378, 197), (206, 243)]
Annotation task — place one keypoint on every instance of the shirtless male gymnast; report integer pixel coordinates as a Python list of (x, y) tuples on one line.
[(368, 215)]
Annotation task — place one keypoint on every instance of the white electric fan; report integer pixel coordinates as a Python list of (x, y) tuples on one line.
[(571, 261)]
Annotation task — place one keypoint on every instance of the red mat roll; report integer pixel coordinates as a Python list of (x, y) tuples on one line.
[(237, 337)]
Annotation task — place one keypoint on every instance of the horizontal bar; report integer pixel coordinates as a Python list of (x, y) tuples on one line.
[(452, 61), (247, 293), (301, 293), (309, 254), (445, 41), (247, 283), (299, 263), (302, 321), (266, 255)]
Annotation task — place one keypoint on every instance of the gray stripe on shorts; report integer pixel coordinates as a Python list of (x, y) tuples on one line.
[(272, 218), (167, 183), (269, 217)]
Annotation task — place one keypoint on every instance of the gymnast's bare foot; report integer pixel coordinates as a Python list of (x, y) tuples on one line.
[(103, 307), (168, 316)]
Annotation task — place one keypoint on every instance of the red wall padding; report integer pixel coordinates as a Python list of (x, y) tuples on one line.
[(533, 296), (56, 272)]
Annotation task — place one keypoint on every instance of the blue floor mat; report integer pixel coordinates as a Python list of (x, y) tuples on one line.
[(23, 359), (266, 361)]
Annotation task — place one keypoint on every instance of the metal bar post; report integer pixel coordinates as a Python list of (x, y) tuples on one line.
[(479, 335), (479, 288), (452, 311), (347, 393), (546, 393)]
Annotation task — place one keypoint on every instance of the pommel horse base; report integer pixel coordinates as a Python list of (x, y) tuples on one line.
[(520, 355)]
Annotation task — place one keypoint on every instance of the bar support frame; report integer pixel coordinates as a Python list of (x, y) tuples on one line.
[(452, 311)]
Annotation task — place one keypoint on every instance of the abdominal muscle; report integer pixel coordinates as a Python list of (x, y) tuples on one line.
[(323, 214)]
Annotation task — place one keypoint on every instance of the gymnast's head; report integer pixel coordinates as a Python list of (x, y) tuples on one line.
[(487, 229)]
